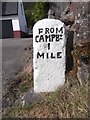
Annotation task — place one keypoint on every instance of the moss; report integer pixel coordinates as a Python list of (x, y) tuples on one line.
[(23, 88), (26, 82)]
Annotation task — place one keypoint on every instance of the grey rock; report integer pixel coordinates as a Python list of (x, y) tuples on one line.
[(84, 72), (30, 98)]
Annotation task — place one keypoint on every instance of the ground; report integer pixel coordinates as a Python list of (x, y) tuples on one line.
[(14, 59), (69, 101)]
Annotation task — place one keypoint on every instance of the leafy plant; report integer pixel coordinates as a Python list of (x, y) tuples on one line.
[(40, 10), (29, 6), (35, 11)]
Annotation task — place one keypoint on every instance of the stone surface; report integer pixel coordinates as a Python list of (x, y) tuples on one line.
[(49, 55), (76, 17), (31, 98)]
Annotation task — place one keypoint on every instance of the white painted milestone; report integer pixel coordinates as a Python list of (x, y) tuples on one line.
[(49, 46)]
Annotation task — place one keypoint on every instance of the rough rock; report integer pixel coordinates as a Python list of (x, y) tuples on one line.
[(30, 98), (76, 16)]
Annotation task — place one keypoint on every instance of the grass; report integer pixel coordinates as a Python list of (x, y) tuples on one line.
[(26, 82), (70, 101), (23, 88)]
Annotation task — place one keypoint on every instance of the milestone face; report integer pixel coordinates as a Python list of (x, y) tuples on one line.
[(49, 55)]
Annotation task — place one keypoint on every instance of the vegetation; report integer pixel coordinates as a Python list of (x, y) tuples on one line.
[(29, 6), (40, 11), (35, 11), (26, 82), (70, 101)]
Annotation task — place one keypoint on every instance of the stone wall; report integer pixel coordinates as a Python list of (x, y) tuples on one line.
[(76, 16)]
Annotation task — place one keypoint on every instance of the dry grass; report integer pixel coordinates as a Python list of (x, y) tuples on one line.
[(70, 101), (26, 82)]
